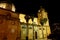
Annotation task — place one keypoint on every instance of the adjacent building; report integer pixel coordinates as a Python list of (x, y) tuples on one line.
[(9, 22)]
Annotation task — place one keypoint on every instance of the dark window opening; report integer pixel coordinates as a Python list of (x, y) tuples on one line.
[(4, 38), (36, 35), (18, 38)]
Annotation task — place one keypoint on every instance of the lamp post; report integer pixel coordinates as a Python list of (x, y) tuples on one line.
[(27, 17)]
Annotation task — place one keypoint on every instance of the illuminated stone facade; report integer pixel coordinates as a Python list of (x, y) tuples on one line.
[(11, 28), (9, 23), (35, 30), (41, 15)]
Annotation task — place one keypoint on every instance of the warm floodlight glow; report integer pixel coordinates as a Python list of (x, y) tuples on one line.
[(21, 17), (35, 20), (3, 5), (30, 21), (13, 8)]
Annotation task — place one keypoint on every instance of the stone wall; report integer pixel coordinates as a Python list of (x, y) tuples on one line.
[(9, 25)]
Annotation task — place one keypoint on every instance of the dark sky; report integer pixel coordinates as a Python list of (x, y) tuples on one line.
[(31, 7), (54, 12)]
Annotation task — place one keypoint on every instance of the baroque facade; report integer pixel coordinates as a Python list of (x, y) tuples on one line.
[(35, 29), (13, 26)]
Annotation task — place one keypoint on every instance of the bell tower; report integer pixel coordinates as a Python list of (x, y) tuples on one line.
[(43, 17)]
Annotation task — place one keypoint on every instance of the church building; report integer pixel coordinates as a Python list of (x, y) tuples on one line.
[(19, 26)]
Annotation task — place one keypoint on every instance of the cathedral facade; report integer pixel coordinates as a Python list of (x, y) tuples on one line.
[(35, 28), (13, 26)]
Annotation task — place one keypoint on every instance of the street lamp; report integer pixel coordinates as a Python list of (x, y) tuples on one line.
[(27, 17)]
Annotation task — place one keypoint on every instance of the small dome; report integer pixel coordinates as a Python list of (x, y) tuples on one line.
[(10, 6)]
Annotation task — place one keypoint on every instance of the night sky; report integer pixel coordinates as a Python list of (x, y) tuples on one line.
[(32, 6)]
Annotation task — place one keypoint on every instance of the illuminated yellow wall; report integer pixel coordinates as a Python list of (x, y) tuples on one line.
[(22, 19), (43, 14), (35, 20), (30, 21), (46, 26)]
